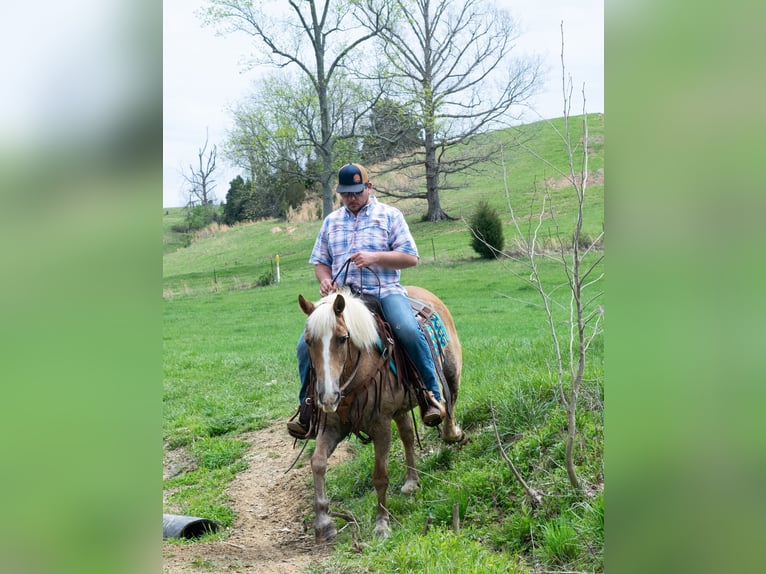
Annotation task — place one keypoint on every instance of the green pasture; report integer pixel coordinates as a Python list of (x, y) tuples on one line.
[(229, 366)]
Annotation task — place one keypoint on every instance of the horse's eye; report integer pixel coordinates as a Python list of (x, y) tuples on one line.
[(343, 339)]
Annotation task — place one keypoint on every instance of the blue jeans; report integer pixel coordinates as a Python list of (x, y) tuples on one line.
[(398, 313), (304, 366)]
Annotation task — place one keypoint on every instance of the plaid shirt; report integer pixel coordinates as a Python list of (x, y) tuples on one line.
[(377, 227)]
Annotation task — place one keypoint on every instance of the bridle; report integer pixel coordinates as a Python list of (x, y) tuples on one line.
[(385, 355), (351, 377), (344, 391)]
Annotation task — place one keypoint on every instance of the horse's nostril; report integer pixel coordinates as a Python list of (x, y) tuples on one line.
[(329, 400)]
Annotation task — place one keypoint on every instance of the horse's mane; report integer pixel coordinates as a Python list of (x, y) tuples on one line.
[(360, 322)]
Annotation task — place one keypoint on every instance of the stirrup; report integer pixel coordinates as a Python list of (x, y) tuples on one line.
[(303, 428), (295, 430), (434, 413)]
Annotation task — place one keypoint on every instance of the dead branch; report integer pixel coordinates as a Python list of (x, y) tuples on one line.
[(350, 520), (534, 496)]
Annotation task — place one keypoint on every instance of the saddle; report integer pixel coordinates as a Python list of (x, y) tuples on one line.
[(431, 325)]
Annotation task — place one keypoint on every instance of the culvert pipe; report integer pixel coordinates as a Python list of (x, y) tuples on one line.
[(179, 526)]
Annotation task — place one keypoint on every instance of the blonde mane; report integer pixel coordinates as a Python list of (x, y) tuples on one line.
[(359, 320)]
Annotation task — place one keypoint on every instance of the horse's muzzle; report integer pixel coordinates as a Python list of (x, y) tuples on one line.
[(329, 402)]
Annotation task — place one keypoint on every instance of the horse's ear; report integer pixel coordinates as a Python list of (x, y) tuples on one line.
[(306, 306), (339, 305)]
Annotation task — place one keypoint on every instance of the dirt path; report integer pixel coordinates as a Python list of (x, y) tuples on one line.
[(271, 534)]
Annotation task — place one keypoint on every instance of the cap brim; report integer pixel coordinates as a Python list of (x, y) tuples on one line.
[(355, 188)]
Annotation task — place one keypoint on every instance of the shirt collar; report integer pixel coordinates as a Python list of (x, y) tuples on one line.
[(372, 200)]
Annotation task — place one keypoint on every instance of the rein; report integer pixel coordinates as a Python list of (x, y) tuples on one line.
[(344, 269), (387, 351), (345, 385), (350, 393), (361, 385)]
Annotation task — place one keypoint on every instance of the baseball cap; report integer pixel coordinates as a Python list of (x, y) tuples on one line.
[(352, 178)]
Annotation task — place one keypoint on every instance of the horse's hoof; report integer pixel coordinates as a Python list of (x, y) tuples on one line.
[(327, 536), (325, 531), (381, 530), (459, 439), (409, 487)]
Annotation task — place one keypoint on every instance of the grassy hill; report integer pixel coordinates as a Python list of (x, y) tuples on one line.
[(243, 253), (229, 366)]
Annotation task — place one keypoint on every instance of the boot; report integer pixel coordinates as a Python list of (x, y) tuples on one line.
[(302, 428), (434, 413)]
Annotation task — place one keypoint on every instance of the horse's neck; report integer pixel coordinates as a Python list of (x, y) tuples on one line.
[(365, 366)]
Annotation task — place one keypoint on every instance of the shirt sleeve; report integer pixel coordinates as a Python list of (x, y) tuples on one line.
[(400, 238), (321, 252)]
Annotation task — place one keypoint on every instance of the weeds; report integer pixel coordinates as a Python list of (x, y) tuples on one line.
[(559, 543)]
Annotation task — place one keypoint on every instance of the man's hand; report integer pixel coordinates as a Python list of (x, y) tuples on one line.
[(389, 259), (324, 276), (364, 259), (327, 286)]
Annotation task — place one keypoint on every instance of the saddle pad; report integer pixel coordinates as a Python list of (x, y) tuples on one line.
[(432, 324)]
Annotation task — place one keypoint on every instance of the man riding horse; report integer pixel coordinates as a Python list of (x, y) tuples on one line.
[(373, 240)]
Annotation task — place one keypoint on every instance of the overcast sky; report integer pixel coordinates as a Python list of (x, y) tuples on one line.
[(204, 76)]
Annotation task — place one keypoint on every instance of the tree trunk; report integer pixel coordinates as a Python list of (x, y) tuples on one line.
[(327, 192), (435, 212), (326, 147)]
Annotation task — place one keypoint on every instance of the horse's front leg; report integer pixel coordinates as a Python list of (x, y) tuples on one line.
[(407, 435), (382, 441), (324, 526)]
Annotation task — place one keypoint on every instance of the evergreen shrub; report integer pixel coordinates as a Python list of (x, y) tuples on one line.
[(486, 231)]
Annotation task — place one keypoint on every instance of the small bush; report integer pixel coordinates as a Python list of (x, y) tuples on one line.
[(486, 231), (266, 279), (199, 216)]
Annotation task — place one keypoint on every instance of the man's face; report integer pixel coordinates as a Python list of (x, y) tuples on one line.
[(356, 201)]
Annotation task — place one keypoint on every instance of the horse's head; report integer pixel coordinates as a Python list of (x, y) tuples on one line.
[(338, 327)]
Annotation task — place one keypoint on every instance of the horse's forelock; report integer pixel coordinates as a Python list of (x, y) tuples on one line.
[(359, 320), (322, 319)]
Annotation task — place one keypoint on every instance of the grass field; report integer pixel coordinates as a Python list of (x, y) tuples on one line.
[(229, 366)]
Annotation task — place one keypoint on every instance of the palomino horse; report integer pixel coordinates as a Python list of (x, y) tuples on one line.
[(358, 392)]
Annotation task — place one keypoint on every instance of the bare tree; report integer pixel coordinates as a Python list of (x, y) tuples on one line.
[(314, 37), (199, 179), (451, 60), (279, 124), (580, 264), (267, 129)]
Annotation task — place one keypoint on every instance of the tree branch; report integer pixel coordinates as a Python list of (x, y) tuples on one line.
[(534, 495)]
